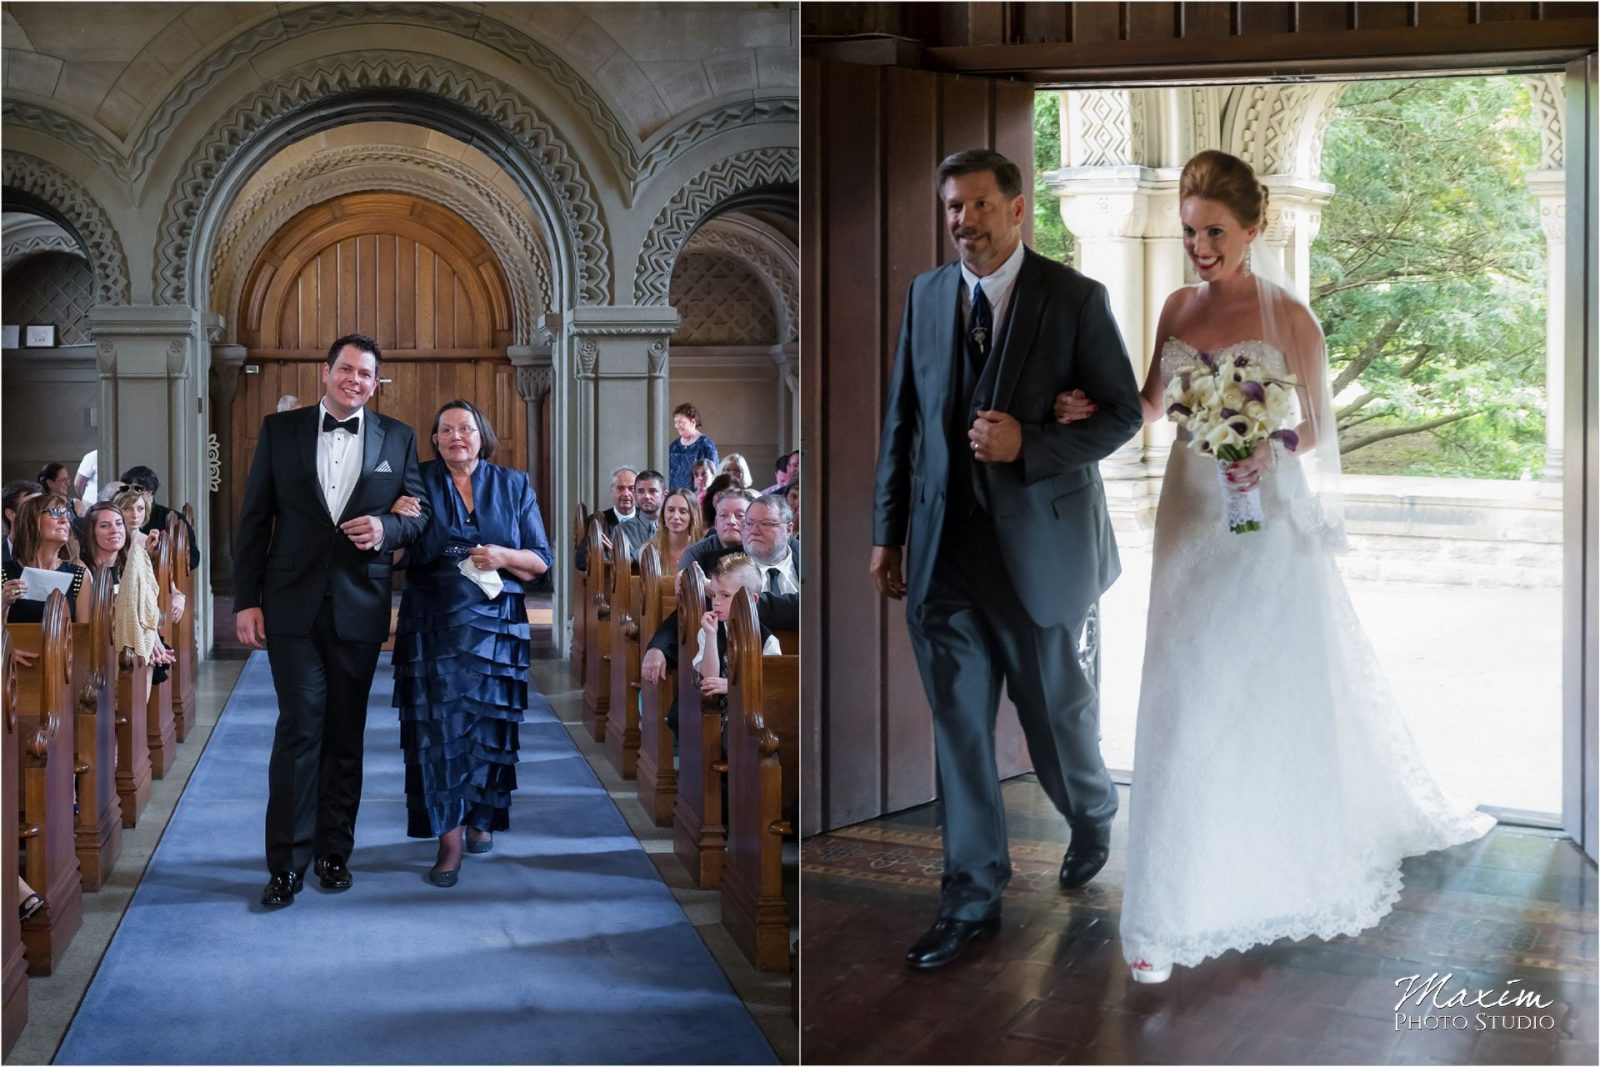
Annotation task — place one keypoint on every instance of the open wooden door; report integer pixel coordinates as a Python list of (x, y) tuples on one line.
[(872, 138)]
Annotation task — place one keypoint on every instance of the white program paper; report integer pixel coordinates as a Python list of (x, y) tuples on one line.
[(37, 583)]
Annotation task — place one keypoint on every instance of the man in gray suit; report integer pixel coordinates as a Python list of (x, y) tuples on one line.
[(1004, 518)]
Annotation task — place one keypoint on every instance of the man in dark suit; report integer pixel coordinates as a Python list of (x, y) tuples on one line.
[(1002, 513), (769, 546), (636, 499), (312, 559)]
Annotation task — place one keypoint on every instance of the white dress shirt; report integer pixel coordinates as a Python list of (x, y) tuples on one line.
[(997, 286), (789, 582), (339, 461)]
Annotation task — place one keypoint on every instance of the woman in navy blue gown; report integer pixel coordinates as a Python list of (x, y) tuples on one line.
[(461, 651)]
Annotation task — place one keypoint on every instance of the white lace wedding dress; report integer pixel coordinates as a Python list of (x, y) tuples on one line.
[(1276, 785)]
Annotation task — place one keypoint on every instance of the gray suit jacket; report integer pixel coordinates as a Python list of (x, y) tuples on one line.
[(1048, 506)]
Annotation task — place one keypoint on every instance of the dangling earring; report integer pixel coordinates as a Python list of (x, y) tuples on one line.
[(1249, 257)]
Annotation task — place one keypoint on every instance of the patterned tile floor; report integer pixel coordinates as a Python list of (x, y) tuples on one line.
[(1052, 988)]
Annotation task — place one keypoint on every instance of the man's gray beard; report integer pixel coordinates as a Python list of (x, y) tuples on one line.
[(780, 552)]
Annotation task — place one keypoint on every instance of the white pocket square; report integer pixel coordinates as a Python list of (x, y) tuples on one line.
[(383, 468)]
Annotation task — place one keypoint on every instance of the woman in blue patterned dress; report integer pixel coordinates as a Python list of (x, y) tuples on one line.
[(688, 448), (461, 651)]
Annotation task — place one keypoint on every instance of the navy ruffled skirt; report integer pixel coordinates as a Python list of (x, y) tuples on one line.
[(460, 684)]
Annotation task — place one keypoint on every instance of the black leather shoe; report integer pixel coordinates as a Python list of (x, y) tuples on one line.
[(334, 873), (1085, 856), (281, 890), (946, 938), (444, 879)]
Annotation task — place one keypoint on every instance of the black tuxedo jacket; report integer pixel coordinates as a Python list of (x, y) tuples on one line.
[(1048, 508), (288, 552)]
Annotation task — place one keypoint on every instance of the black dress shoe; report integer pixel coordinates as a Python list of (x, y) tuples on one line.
[(444, 879), (333, 872), (281, 890), (1085, 856), (946, 938)]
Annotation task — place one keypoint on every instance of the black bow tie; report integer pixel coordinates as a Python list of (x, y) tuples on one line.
[(349, 426)]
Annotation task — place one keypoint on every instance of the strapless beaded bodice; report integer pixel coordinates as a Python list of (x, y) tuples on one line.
[(1175, 353)]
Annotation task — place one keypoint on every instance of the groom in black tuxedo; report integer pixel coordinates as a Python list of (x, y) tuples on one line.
[(312, 559), (1004, 520)]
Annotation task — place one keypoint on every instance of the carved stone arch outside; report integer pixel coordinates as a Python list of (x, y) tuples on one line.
[(521, 250), (720, 184), (336, 89), (1279, 129), (34, 183)]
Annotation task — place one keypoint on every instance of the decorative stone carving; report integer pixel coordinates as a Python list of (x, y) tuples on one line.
[(534, 383), (32, 246), (31, 175), (721, 301), (675, 142), (766, 254), (1105, 127), (517, 244), (65, 129), (1279, 129), (588, 357), (56, 288), (658, 358), (317, 82), (743, 172), (1548, 93), (214, 462)]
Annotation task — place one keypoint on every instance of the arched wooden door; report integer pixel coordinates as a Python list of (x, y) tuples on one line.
[(416, 277)]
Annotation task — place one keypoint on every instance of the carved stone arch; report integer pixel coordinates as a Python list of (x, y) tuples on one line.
[(33, 184), (671, 144), (325, 175), (1548, 94), (725, 183), (767, 256), (421, 90), (66, 129), (478, 26), (28, 235), (1279, 129)]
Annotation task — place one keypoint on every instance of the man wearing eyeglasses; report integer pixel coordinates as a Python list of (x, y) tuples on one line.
[(767, 542), (312, 560)]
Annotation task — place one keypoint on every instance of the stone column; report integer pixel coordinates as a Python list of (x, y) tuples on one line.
[(535, 379), (1294, 215), (621, 401), (1548, 186), (227, 367), (787, 358)]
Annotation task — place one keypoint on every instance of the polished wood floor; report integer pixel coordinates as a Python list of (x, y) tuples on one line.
[(1052, 988)]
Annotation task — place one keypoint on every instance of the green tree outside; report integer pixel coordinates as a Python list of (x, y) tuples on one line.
[(1428, 275), (1050, 235)]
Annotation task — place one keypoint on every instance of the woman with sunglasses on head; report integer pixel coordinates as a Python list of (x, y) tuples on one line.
[(113, 557), (42, 538)]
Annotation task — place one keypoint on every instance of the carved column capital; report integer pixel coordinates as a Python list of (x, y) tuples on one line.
[(227, 365)]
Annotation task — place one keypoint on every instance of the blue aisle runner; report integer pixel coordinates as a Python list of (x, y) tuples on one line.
[(562, 945)]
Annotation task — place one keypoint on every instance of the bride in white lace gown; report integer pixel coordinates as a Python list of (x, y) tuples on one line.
[(1277, 787)]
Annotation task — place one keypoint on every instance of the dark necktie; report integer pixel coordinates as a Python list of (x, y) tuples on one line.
[(774, 580), (980, 331), (349, 426)]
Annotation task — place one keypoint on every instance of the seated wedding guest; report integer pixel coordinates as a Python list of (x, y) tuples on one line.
[(288, 402), (791, 493), (787, 469), (461, 646), (136, 611), (624, 509), (678, 529), (101, 531), (733, 463), (708, 500), (727, 530), (144, 480), (30, 901), (736, 576), (768, 542), (13, 496), (42, 538), (688, 448), (86, 485), (53, 478), (705, 472)]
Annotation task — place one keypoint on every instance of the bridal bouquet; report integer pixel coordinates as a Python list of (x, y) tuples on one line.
[(1229, 405)]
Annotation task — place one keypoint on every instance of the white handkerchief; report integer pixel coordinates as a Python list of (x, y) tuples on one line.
[(489, 581), (37, 583), (383, 468)]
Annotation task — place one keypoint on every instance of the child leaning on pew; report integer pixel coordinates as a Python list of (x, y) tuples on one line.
[(736, 574)]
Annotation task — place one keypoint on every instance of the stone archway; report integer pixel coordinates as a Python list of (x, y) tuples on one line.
[(43, 188)]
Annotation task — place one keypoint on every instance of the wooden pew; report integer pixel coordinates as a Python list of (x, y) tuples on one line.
[(763, 790), (161, 730), (133, 739), (698, 835), (182, 639), (94, 681), (45, 707), (657, 772), (580, 601), (597, 665), (622, 725), (14, 960)]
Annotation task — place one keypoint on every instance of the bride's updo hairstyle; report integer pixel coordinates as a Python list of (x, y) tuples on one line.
[(1214, 175)]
